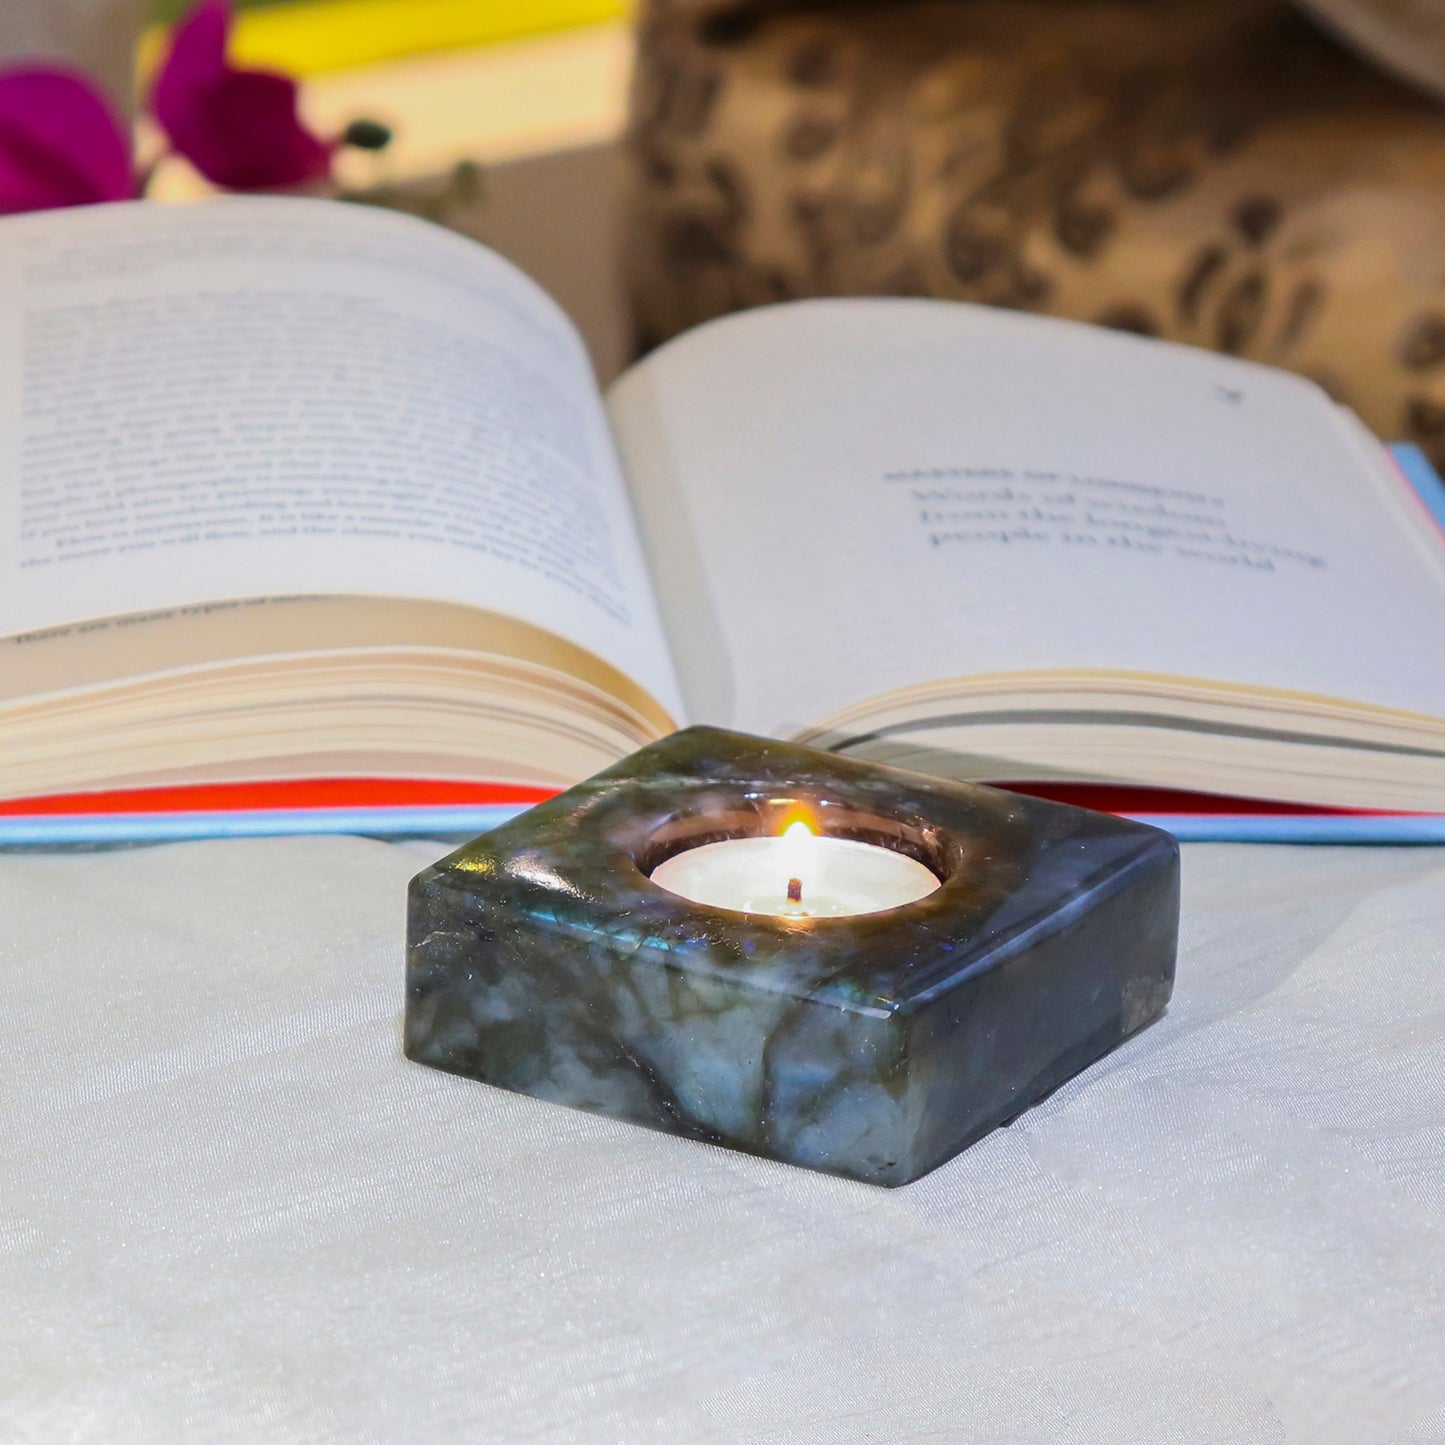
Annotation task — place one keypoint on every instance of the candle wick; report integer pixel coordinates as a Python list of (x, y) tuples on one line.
[(795, 890)]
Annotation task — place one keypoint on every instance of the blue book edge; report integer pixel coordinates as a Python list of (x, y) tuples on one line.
[(103, 830), (106, 829)]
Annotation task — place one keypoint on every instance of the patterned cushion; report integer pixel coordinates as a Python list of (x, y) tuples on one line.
[(1222, 174), (1406, 36)]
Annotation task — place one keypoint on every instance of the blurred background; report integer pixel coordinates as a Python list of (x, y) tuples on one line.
[(1264, 177), (504, 115)]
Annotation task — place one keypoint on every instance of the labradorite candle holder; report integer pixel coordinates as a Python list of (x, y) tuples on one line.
[(542, 958)]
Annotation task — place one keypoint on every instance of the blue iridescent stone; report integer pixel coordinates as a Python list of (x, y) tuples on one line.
[(543, 959)]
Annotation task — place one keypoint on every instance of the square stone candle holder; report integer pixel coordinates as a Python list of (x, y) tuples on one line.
[(543, 958)]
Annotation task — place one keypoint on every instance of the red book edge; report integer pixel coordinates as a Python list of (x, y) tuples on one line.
[(315, 794), (290, 795)]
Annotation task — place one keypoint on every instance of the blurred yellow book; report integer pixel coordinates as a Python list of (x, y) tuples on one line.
[(313, 38)]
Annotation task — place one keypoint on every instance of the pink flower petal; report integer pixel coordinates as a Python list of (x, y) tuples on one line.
[(195, 63), (60, 143), (245, 135), (239, 128)]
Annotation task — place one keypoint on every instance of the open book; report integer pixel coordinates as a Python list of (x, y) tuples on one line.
[(314, 512)]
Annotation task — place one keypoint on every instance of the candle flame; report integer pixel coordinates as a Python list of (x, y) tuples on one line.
[(797, 854)]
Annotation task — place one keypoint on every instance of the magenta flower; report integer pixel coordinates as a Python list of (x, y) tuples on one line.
[(239, 128), (60, 142)]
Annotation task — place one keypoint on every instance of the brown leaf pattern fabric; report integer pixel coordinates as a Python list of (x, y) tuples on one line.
[(1224, 175)]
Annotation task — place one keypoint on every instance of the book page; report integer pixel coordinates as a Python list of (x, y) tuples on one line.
[(266, 397), (843, 498)]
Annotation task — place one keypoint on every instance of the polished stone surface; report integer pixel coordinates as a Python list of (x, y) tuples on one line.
[(543, 959)]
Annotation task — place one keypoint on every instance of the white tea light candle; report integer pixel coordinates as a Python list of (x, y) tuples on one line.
[(797, 875)]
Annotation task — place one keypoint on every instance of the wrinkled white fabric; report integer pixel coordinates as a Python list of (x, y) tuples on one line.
[(231, 1211)]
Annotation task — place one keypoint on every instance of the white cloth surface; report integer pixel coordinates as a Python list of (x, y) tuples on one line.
[(231, 1211)]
